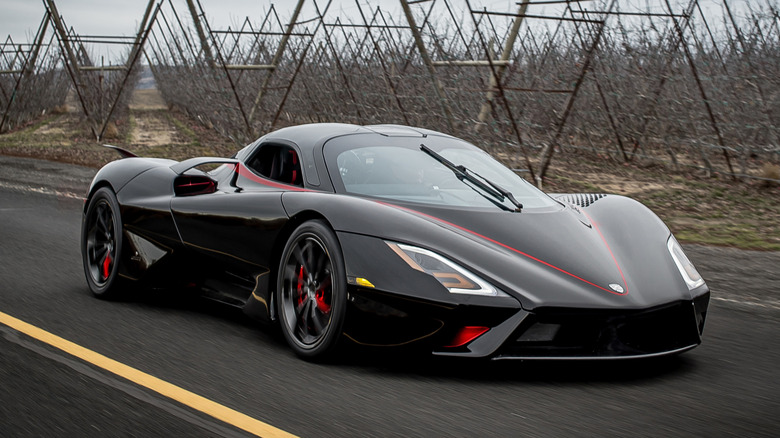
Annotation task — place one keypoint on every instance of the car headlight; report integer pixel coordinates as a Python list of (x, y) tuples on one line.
[(455, 278), (687, 270)]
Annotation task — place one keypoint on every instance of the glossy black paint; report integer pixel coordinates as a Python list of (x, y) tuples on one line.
[(552, 262)]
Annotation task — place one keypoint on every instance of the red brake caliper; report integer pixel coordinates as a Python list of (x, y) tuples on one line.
[(106, 265), (300, 286), (321, 304)]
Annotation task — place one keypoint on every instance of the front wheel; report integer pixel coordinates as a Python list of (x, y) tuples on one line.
[(311, 288), (101, 244)]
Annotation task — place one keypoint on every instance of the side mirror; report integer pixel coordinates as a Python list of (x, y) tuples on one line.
[(191, 185)]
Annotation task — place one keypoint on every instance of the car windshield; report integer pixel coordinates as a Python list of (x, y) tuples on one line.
[(401, 170)]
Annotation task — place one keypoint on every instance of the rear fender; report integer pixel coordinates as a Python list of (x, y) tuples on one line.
[(120, 172)]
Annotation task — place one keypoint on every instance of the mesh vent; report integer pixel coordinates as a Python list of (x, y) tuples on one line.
[(582, 199)]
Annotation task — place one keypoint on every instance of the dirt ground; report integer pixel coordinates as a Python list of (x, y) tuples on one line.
[(698, 208)]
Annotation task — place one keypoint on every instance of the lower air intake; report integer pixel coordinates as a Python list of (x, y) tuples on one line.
[(562, 333)]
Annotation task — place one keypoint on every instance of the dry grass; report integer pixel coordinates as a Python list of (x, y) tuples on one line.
[(770, 172), (111, 132), (60, 109)]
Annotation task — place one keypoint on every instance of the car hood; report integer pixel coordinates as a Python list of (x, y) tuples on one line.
[(612, 255)]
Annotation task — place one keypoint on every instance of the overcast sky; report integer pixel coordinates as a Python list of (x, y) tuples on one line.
[(20, 18)]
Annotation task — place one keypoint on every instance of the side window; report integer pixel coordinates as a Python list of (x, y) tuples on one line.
[(278, 163)]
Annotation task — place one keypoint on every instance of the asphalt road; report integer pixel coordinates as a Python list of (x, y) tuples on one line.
[(729, 386)]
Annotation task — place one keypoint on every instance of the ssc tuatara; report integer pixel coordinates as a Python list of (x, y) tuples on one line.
[(389, 235)]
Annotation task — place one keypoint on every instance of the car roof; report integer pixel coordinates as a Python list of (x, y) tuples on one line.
[(310, 135)]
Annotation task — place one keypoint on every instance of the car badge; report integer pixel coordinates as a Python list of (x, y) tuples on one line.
[(617, 288)]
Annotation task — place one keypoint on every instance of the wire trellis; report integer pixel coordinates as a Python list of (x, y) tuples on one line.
[(668, 84), (540, 80)]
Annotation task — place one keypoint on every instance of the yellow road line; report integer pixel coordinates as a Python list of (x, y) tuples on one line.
[(195, 401)]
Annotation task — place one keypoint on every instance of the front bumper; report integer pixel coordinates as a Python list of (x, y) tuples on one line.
[(577, 334), (379, 319)]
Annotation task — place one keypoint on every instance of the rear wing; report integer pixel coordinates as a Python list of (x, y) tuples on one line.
[(121, 151), (180, 168)]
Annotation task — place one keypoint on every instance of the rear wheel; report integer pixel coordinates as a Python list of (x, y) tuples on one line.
[(101, 244), (311, 288)]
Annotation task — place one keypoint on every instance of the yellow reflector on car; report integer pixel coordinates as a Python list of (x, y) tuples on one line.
[(363, 282)]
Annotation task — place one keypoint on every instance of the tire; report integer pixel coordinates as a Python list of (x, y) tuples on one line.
[(311, 290), (101, 244)]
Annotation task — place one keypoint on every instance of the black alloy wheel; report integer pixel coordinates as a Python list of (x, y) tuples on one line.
[(311, 289), (101, 244)]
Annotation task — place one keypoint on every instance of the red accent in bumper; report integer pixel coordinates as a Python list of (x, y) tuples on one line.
[(466, 335)]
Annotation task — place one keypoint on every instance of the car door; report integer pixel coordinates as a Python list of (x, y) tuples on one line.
[(237, 223)]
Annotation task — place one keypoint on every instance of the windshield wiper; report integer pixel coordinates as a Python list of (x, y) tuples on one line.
[(463, 172)]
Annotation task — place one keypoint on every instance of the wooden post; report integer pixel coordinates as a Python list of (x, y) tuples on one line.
[(438, 87), (276, 59), (549, 150), (222, 63), (30, 68), (388, 78), (137, 42), (204, 42), (143, 34), (501, 65), (71, 62), (300, 63)]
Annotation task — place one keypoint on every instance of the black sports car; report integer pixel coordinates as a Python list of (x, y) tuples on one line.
[(389, 235)]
